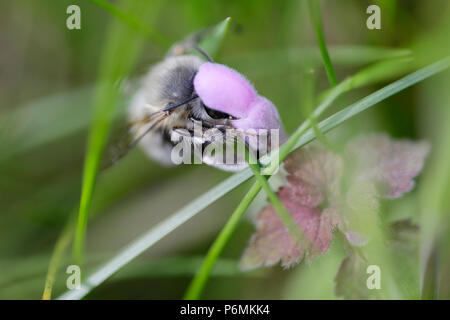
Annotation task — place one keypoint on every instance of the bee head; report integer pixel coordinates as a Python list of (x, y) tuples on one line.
[(225, 90)]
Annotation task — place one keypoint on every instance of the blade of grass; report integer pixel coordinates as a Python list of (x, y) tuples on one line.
[(61, 245), (298, 139), (314, 13), (308, 103), (434, 191), (119, 53), (376, 72), (133, 23), (155, 234), (284, 215), (18, 273), (215, 37), (430, 283), (293, 59), (195, 288)]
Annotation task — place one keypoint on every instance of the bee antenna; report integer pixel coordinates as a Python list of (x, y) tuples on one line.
[(173, 106), (203, 52)]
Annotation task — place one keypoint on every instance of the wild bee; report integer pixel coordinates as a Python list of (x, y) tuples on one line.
[(185, 97)]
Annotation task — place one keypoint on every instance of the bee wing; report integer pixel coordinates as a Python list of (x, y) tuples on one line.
[(128, 136)]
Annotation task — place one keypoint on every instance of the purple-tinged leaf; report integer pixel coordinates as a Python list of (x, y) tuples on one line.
[(392, 164), (313, 174), (273, 243), (316, 199)]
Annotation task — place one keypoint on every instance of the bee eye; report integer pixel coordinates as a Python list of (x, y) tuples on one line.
[(218, 114)]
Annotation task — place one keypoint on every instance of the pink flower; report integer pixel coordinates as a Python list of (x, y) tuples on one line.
[(378, 167)]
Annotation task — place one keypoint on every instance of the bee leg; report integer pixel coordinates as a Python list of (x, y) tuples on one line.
[(182, 131), (201, 137), (190, 134), (202, 123), (218, 124)]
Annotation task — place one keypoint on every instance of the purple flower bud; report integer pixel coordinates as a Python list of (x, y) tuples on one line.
[(224, 89)]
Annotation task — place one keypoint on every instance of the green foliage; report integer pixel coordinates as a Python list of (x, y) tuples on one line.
[(116, 64), (50, 104), (300, 137)]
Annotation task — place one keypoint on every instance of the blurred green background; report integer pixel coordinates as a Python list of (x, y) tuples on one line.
[(46, 82)]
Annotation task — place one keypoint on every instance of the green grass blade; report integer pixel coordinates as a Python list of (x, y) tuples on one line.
[(119, 53), (55, 261), (291, 59), (308, 103), (434, 195), (314, 12), (214, 36), (158, 232), (133, 23), (212, 42), (17, 274), (199, 281), (300, 138), (284, 215), (380, 71), (383, 94)]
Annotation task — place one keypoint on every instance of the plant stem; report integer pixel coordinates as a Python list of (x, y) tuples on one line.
[(58, 252), (430, 285), (199, 281), (284, 215), (195, 288), (133, 22), (308, 102), (314, 12), (119, 53)]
